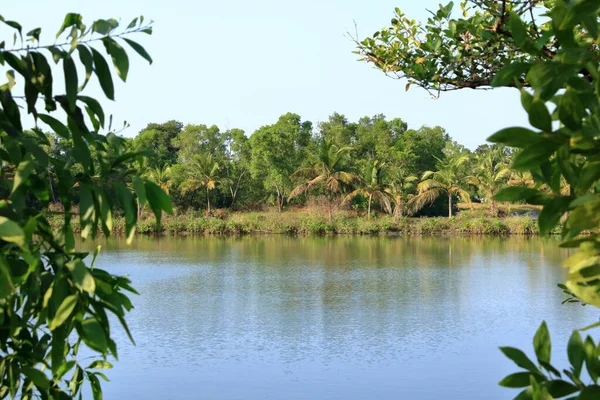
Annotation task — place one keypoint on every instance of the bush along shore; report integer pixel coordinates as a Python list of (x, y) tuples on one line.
[(318, 223)]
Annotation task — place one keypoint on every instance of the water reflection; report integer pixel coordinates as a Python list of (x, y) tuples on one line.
[(333, 317)]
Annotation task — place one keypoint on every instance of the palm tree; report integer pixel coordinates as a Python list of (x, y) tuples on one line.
[(372, 187), (202, 173), (161, 176), (400, 194), (329, 171), (447, 181), (492, 173)]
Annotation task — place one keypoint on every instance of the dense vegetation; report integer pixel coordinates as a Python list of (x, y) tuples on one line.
[(52, 301), (549, 50), (374, 165)]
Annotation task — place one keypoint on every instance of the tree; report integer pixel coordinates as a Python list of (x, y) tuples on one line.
[(505, 44), (51, 302), (161, 176), (400, 192), (237, 164), (277, 151), (448, 180), (372, 187), (202, 140), (446, 53), (329, 172), (203, 173), (159, 138), (491, 172)]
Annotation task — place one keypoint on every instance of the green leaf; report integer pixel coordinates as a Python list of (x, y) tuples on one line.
[(85, 56), (103, 74), (159, 201), (96, 387), (71, 83), (95, 107), (104, 27), (533, 156), (93, 335), (81, 276), (71, 19), (63, 312), (100, 364), (519, 358), (590, 393), (571, 111), (39, 379), (11, 109), (87, 210), (140, 190), (515, 137), (11, 232), (139, 49), (58, 127), (542, 344), (548, 77), (119, 57), (24, 169), (510, 73), (592, 358), (552, 212), (517, 380), (521, 193), (559, 388), (576, 353), (64, 368), (539, 116)]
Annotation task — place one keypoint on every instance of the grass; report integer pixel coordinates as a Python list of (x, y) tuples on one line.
[(316, 222)]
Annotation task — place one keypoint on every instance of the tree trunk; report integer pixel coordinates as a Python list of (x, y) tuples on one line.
[(449, 205), (369, 209), (208, 200)]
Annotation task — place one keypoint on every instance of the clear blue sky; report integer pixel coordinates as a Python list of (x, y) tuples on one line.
[(243, 63)]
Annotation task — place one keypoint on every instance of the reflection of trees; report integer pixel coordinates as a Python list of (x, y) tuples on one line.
[(334, 298)]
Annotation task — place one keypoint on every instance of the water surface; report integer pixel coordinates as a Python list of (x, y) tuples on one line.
[(277, 317)]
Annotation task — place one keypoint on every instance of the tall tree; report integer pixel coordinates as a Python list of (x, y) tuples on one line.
[(491, 167), (202, 174), (401, 191), (448, 180), (372, 187), (158, 138), (277, 151), (329, 172)]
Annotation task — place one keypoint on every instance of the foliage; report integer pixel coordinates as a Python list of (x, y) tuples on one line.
[(549, 50), (491, 172), (329, 172), (545, 381), (449, 180), (372, 187), (447, 53), (51, 302)]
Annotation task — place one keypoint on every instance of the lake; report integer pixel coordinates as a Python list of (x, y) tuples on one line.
[(277, 317)]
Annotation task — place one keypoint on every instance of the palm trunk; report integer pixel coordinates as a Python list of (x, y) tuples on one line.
[(369, 210), (208, 200), (449, 205)]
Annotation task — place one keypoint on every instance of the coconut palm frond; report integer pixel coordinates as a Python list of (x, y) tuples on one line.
[(351, 195), (428, 184), (425, 198), (427, 175), (460, 192)]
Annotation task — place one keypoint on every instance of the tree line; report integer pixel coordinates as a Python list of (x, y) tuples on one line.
[(372, 164)]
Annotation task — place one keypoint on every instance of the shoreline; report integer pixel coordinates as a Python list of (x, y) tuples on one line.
[(317, 224)]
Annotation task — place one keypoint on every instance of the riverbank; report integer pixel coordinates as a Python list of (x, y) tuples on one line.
[(316, 223)]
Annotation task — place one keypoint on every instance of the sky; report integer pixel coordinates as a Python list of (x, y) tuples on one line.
[(241, 64)]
